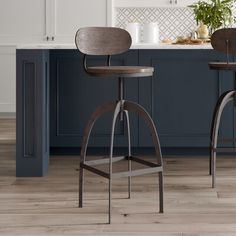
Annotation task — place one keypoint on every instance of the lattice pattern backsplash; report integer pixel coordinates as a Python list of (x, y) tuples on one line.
[(172, 21)]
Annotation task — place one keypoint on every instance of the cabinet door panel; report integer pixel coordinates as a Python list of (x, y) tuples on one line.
[(185, 3), (181, 96), (75, 95), (22, 21), (149, 3), (69, 17)]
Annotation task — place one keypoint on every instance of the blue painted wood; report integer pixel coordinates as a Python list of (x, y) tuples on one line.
[(181, 96), (75, 95), (32, 103)]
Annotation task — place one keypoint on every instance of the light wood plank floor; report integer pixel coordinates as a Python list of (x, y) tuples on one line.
[(48, 205)]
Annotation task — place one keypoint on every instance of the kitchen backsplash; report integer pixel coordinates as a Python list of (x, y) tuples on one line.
[(172, 21)]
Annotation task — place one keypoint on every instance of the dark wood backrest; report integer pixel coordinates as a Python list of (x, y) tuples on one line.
[(102, 40), (224, 40)]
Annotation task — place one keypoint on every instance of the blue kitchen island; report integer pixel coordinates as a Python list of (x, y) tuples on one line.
[(55, 98)]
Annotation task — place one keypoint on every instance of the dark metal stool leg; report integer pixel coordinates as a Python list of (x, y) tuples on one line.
[(134, 107), (129, 152), (222, 102), (219, 101), (161, 200), (108, 107), (210, 165), (213, 168), (81, 186), (115, 115)]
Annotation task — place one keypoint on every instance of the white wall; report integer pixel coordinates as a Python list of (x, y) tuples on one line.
[(31, 21), (21, 21), (7, 79)]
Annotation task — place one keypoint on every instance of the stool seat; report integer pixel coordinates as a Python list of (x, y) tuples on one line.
[(222, 65), (120, 71)]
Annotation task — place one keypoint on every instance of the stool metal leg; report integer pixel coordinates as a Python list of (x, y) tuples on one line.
[(219, 101), (81, 186), (129, 152), (210, 164), (213, 168), (161, 200), (115, 115), (134, 107), (222, 102), (212, 130), (108, 107)]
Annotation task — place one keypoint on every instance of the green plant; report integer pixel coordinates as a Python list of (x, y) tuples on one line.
[(214, 13)]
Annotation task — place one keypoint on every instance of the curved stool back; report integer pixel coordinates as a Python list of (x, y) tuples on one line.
[(224, 40), (102, 40)]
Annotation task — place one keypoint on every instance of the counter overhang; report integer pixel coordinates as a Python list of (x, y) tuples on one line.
[(136, 46)]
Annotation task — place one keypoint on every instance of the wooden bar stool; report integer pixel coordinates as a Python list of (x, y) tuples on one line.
[(223, 40), (110, 41)]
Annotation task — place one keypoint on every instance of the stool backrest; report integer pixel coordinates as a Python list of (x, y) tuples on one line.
[(102, 40), (224, 40)]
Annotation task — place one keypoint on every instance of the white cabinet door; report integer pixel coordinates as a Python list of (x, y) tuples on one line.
[(148, 3), (69, 15), (22, 21), (32, 21), (184, 3), (175, 3), (140, 3)]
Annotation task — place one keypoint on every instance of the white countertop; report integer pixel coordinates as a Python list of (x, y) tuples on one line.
[(46, 46), (171, 46), (136, 46)]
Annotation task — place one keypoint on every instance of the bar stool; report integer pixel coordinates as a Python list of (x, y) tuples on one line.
[(223, 40), (109, 41)]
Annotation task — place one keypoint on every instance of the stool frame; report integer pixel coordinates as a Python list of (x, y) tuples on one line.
[(223, 40), (120, 108)]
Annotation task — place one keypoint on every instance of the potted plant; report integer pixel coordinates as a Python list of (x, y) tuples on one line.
[(214, 13)]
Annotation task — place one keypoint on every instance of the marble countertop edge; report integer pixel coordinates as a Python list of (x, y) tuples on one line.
[(135, 46)]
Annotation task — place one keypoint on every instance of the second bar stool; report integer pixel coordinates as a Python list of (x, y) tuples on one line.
[(110, 41), (223, 40)]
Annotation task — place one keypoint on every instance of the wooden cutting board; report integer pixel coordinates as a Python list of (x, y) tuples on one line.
[(192, 41)]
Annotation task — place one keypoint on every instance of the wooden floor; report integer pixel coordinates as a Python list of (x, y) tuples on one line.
[(48, 205)]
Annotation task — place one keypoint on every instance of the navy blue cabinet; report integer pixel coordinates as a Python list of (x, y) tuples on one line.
[(74, 96), (181, 96), (32, 112)]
